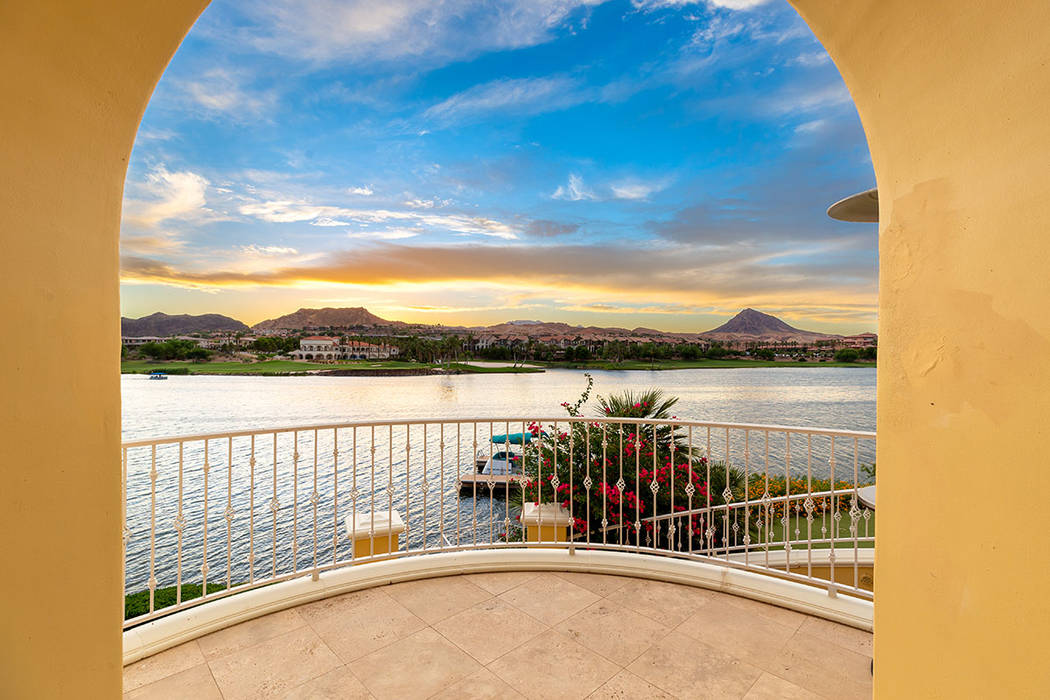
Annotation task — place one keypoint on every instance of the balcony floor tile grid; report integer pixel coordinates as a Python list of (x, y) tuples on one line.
[(529, 635)]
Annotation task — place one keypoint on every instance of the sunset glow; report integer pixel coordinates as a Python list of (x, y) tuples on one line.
[(657, 163)]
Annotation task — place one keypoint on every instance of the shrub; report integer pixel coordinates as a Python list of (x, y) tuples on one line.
[(846, 355), (616, 478)]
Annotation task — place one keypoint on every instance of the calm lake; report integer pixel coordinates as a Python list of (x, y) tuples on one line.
[(833, 397), (251, 476)]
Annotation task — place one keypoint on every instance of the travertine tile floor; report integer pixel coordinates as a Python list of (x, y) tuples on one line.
[(518, 634)]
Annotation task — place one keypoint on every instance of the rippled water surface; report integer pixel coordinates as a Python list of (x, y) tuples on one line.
[(799, 396), (252, 507)]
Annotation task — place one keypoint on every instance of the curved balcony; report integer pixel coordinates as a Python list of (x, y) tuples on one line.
[(278, 524)]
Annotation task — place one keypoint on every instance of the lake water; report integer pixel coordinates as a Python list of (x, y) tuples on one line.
[(267, 501), (798, 396)]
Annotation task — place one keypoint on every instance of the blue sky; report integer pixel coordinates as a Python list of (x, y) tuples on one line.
[(656, 163)]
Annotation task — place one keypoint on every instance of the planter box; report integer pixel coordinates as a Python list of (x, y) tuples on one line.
[(381, 535), (548, 522)]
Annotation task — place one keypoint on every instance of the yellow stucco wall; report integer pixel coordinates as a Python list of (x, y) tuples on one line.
[(75, 77), (955, 99)]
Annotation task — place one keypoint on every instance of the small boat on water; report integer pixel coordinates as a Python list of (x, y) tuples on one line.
[(157, 374), (495, 470)]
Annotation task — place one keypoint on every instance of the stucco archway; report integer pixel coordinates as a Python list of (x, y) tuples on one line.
[(953, 97)]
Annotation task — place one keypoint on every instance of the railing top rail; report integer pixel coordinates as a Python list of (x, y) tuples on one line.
[(609, 420)]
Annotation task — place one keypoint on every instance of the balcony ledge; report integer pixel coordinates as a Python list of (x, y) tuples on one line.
[(158, 635)]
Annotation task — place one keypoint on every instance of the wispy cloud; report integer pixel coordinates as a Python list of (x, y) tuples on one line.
[(330, 31), (520, 97), (389, 234), (574, 190), (287, 211), (221, 93), (365, 191), (726, 4), (254, 249), (165, 195), (656, 275), (637, 189)]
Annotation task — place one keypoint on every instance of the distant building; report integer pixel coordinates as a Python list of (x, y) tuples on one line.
[(862, 340), (135, 341), (320, 348)]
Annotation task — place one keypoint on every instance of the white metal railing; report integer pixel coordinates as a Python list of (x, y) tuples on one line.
[(228, 512)]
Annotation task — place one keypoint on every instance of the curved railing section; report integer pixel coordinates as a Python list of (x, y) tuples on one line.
[(207, 516)]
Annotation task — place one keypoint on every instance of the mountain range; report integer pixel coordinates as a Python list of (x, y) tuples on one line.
[(748, 325), (161, 324)]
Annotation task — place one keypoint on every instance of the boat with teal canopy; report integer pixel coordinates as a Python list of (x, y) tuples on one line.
[(513, 439)]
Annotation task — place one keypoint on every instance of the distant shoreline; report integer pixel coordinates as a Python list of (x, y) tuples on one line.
[(282, 368)]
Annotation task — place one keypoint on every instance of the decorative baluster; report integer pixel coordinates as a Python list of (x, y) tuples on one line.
[(204, 554), (179, 525), (491, 481), (747, 497), (605, 485), (587, 480), (314, 499), (572, 493), (335, 495), (229, 513), (295, 501), (125, 533), (765, 501), (353, 492), (710, 530), (390, 490), (152, 583), (808, 505), (275, 505), (251, 513)]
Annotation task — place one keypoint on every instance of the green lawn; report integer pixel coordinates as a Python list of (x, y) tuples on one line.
[(474, 369), (696, 364), (289, 367), (136, 604), (264, 367), (777, 532)]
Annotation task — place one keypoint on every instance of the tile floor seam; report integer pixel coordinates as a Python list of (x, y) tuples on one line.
[(545, 626), (589, 648), (800, 685), (213, 680)]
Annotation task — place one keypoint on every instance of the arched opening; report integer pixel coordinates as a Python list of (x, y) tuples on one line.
[(934, 102)]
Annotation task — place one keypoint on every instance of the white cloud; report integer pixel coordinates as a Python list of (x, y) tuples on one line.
[(574, 191), (167, 195), (427, 203), (816, 99), (392, 234), (718, 29), (814, 58), (365, 191), (727, 4), (162, 243), (521, 96), (811, 127), (328, 221), (269, 250), (327, 31), (636, 190), (289, 211), (219, 92)]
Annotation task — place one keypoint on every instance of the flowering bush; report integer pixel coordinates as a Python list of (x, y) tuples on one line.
[(623, 482)]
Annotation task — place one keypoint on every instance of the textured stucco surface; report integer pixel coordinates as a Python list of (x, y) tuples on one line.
[(75, 77), (953, 96)]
